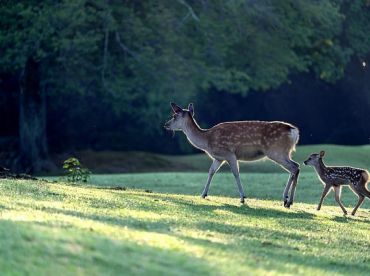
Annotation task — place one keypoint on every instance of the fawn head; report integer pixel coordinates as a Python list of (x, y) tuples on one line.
[(180, 117), (314, 158)]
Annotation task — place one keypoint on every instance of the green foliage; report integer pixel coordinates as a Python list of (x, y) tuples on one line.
[(138, 55), (356, 26), (75, 171)]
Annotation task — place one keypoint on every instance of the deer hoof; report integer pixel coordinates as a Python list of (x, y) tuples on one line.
[(203, 195), (242, 200), (287, 204)]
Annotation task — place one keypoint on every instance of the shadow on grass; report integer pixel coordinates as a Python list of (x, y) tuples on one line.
[(259, 186), (329, 202), (206, 209), (74, 251), (267, 249), (264, 248)]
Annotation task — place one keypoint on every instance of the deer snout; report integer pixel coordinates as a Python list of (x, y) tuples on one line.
[(305, 162)]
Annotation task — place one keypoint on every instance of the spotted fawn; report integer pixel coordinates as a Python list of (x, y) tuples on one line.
[(241, 141), (336, 177)]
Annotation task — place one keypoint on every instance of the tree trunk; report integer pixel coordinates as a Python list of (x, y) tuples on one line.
[(33, 150)]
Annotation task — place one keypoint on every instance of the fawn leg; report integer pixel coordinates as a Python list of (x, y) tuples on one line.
[(233, 162), (338, 192), (212, 170), (362, 193), (324, 194), (359, 203), (356, 188)]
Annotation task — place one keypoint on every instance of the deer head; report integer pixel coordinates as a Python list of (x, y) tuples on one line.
[(180, 118), (314, 158)]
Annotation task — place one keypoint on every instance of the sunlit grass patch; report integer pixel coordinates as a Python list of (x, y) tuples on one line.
[(93, 229)]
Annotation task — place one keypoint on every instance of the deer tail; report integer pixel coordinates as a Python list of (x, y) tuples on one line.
[(294, 135)]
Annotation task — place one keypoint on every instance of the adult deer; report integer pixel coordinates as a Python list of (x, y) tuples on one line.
[(241, 140)]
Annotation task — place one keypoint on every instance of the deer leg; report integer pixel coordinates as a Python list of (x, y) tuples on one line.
[(293, 168), (294, 182), (338, 192), (234, 165), (212, 170), (323, 195), (287, 188), (359, 203), (358, 190)]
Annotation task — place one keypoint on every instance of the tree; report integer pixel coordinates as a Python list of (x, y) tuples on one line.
[(39, 42), (139, 55)]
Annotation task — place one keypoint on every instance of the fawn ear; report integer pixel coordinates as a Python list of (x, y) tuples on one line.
[(322, 153), (176, 108), (191, 109)]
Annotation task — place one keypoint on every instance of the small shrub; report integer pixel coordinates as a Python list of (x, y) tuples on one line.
[(75, 171)]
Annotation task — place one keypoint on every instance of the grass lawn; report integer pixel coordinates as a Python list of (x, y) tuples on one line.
[(156, 224), (126, 162)]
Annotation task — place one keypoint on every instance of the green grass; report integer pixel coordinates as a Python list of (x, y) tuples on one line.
[(156, 224), (124, 162), (358, 156)]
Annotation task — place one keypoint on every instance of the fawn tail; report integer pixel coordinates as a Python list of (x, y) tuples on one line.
[(364, 190)]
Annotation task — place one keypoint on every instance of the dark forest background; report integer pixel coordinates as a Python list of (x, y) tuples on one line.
[(100, 75)]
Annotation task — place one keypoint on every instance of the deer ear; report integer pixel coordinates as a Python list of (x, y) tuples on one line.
[(322, 153), (176, 108), (191, 109)]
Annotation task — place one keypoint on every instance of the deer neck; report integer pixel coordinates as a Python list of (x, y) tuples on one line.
[(320, 167), (195, 134)]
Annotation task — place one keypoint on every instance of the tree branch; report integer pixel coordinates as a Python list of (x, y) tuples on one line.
[(190, 9), (105, 54), (126, 49)]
